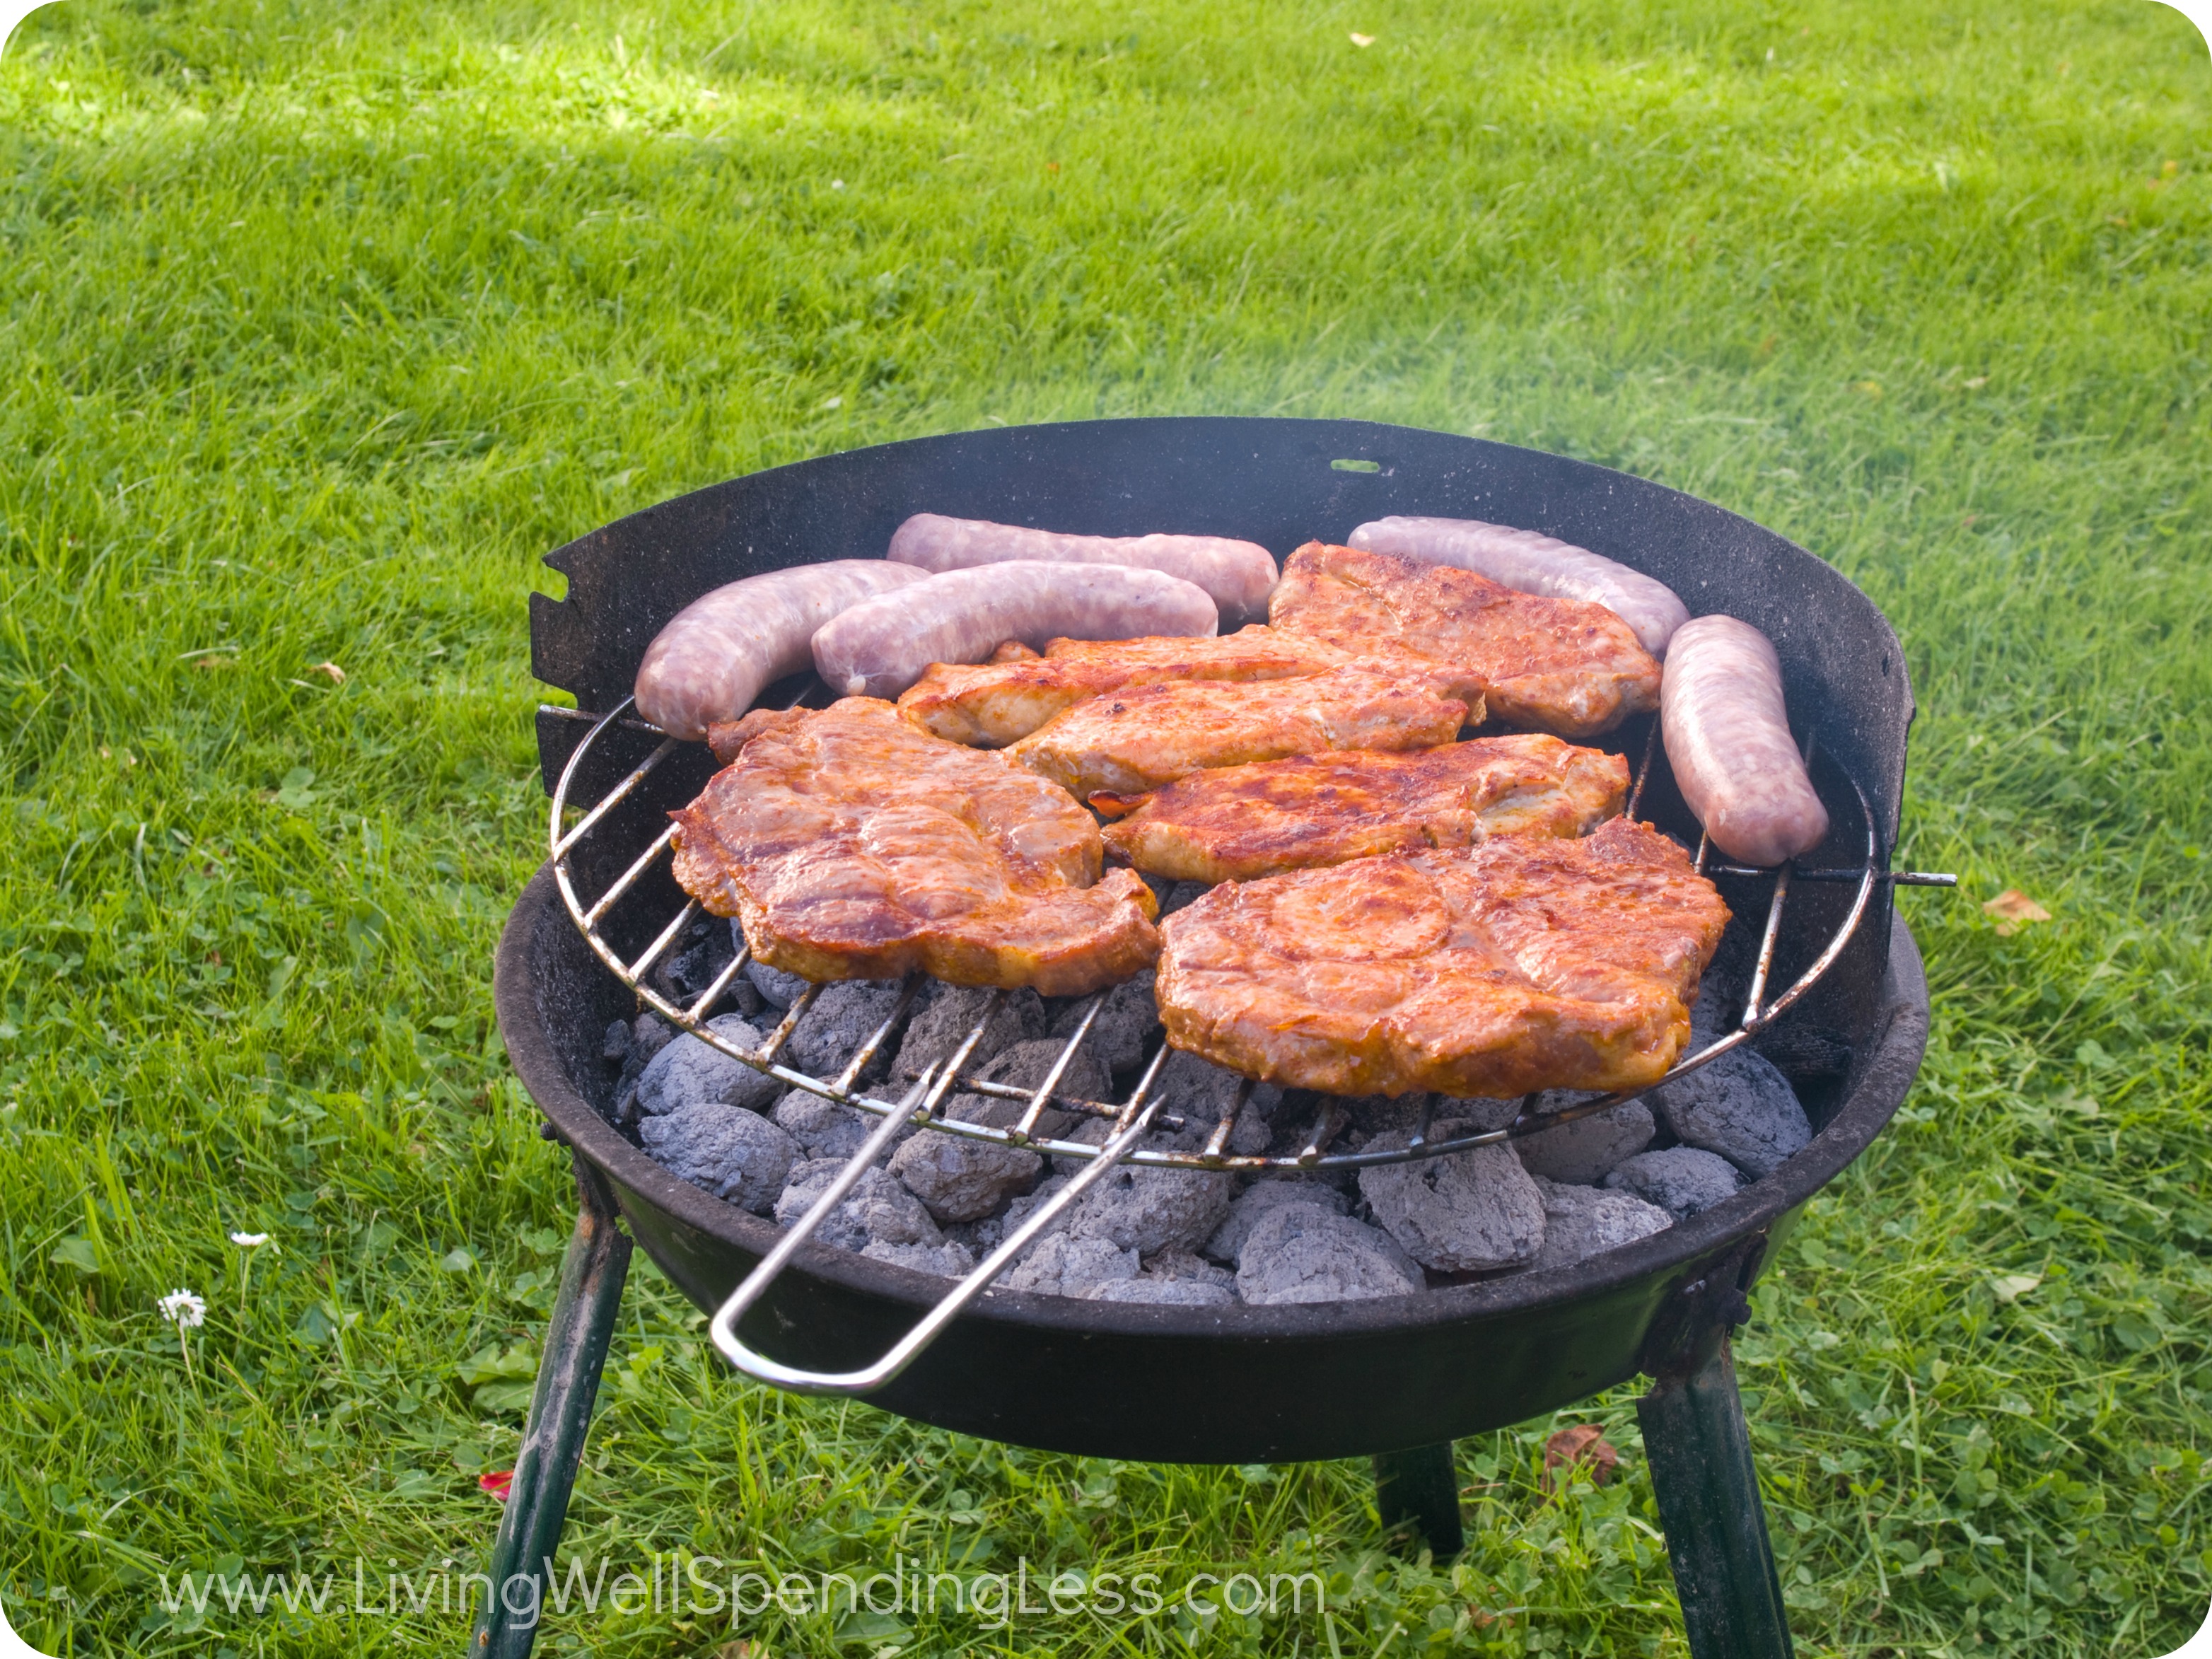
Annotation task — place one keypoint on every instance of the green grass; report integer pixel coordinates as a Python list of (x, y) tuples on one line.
[(322, 322)]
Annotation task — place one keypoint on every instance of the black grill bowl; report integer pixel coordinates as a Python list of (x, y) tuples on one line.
[(1238, 1384)]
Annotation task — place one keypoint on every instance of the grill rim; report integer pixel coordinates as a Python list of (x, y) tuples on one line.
[(1893, 1056)]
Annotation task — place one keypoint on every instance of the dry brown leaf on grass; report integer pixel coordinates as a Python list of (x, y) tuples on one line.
[(2013, 910), (1584, 1446), (337, 673)]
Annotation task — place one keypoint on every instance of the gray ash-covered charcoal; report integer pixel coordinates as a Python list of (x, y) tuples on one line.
[(736, 1155), (1468, 1212), (1125, 1022), (1583, 1149), (690, 1069), (939, 1026), (1147, 1210), (776, 988), (822, 1127), (1163, 1292), (1062, 1266), (1182, 1264), (946, 1261), (1740, 1107), (1263, 1199), (877, 1210), (843, 1018), (1202, 1091), (615, 1045), (1680, 1180), (1717, 1011), (1483, 1113), (1303, 1253), (965, 1180), (644, 1037), (1580, 1222)]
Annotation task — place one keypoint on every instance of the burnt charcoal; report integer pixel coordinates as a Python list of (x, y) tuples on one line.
[(1584, 1150), (946, 1261), (695, 963), (1202, 1091), (1581, 1222), (1182, 1264), (939, 1026), (1716, 1012), (822, 1127), (649, 1035), (1125, 1025), (1740, 1107), (1261, 1199), (844, 1017), (774, 987), (1467, 1212), (690, 1069), (1063, 1265), (1483, 1113), (1164, 1292), (963, 1180), (615, 1045), (738, 1155), (1182, 893), (1680, 1180), (1303, 1253), (1149, 1210), (1026, 1065), (877, 1210)]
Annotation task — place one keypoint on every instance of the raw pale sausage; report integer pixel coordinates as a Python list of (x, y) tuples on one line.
[(1530, 561), (879, 649), (724, 648), (1239, 576), (1727, 739)]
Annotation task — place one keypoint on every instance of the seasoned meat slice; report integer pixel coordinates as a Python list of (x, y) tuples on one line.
[(1238, 823), (1564, 666), (1522, 964), (1145, 736), (991, 704), (852, 846)]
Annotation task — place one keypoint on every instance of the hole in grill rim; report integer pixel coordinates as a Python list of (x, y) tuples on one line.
[(1758, 1016)]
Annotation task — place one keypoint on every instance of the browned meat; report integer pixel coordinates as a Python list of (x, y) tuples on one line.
[(1522, 964), (1562, 665), (852, 846), (991, 704), (1237, 823), (1147, 735)]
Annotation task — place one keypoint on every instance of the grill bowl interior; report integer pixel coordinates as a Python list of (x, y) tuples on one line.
[(1245, 1384)]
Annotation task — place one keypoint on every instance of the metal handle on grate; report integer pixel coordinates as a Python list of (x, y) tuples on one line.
[(1135, 1120)]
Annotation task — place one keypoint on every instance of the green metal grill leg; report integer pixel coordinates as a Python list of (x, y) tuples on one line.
[(1418, 1491), (584, 1313), (1700, 1452)]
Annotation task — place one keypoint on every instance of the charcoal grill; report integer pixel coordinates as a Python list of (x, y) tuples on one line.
[(1397, 1379)]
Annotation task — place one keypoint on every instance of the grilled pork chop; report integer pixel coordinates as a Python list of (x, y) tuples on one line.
[(1144, 736), (991, 704), (1238, 823), (852, 846), (1520, 964), (1564, 666)]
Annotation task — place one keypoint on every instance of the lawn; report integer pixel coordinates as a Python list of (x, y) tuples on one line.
[(323, 322)]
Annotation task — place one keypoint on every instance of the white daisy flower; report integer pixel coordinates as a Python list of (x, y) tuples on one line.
[(249, 1241), (184, 1309)]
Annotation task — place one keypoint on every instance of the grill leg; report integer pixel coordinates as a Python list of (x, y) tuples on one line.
[(1418, 1491), (1701, 1472), (591, 1275)]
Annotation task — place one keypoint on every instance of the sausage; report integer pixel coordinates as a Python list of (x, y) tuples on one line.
[(880, 648), (1529, 562), (1239, 575), (1727, 739), (723, 649)]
